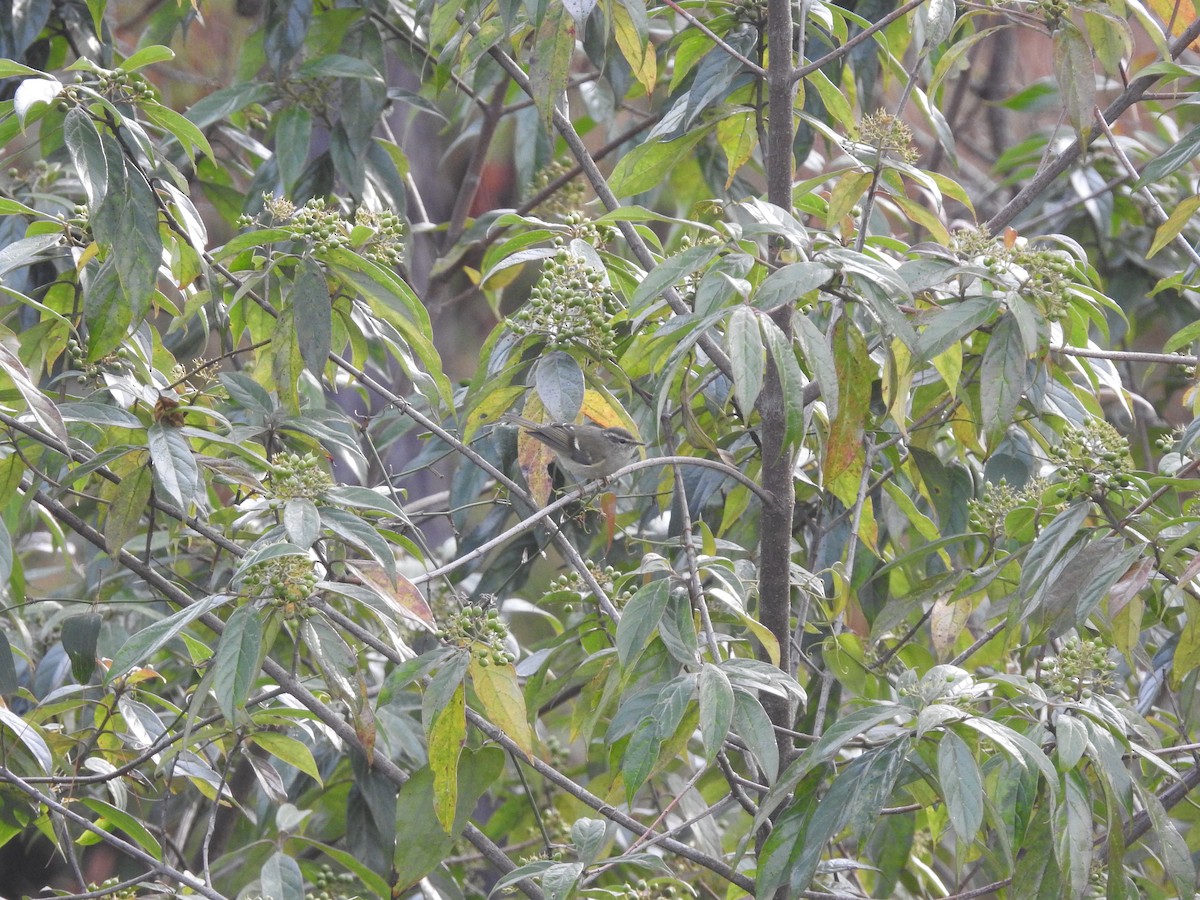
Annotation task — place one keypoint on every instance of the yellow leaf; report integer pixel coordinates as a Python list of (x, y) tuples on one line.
[(503, 703), (1168, 230), (635, 47), (1177, 14), (447, 734), (738, 136)]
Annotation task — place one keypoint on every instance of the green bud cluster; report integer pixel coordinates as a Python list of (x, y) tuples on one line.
[(1080, 669), (108, 886), (200, 374), (293, 476), (286, 581), (888, 134), (387, 232), (330, 885), (480, 630), (580, 227), (567, 200), (316, 94), (1092, 461), (570, 305), (654, 889)]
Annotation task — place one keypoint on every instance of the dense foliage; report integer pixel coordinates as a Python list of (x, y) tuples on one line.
[(900, 600)]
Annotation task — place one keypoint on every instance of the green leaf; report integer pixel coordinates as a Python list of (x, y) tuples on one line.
[(237, 660), (747, 355), (1070, 741), (791, 284), (87, 154), (1004, 377), (792, 380), (8, 667), (281, 879), (716, 709), (640, 618), (1048, 547), (831, 742), (962, 786), (1075, 836), (670, 272), (152, 637), (181, 128), (560, 385), (1175, 157), (641, 753), (293, 136), (289, 750), (147, 56), (79, 637), (112, 817), (126, 225), (176, 474), (44, 412), (29, 735), (649, 165), (301, 521), (337, 663), (126, 506), (33, 93), (951, 325), (753, 726), (553, 48), (353, 530), (819, 357), (1076, 76), (314, 316)]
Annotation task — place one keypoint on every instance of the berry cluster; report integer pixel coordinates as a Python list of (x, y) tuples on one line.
[(570, 305), (1041, 275), (752, 12), (294, 476), (120, 86), (572, 582), (322, 226), (989, 511), (118, 363), (564, 202), (330, 885), (287, 581), (1080, 669), (480, 630), (377, 235), (1053, 10), (1092, 461)]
